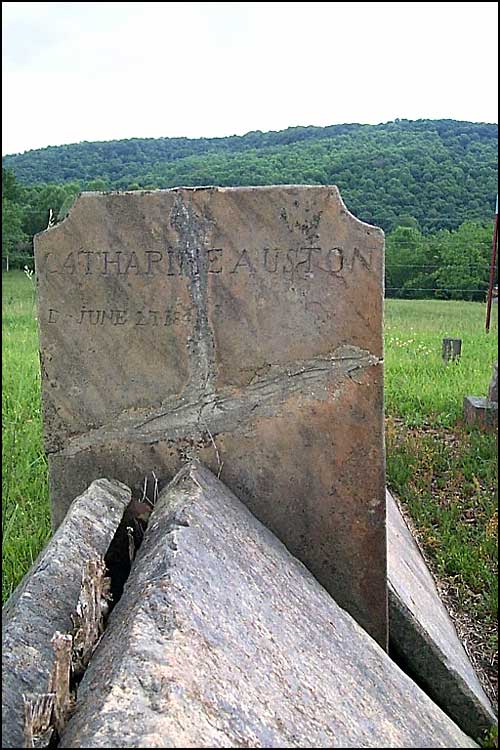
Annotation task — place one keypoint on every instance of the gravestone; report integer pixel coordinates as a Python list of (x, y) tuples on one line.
[(452, 349), (239, 326), (481, 411)]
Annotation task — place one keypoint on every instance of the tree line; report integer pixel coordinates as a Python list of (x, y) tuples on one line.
[(440, 172), (429, 184), (447, 264), (440, 265)]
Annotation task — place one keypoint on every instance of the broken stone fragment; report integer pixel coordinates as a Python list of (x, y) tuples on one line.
[(223, 639), (422, 636), (45, 600)]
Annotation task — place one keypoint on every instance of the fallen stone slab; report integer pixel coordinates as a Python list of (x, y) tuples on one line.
[(223, 639), (423, 638), (46, 598)]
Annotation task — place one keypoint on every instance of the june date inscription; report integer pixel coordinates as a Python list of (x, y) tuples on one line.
[(125, 317)]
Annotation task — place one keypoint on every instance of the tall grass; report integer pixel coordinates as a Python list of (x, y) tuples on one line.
[(419, 388), (443, 471), (25, 497)]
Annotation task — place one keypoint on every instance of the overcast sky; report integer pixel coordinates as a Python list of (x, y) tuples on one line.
[(102, 71)]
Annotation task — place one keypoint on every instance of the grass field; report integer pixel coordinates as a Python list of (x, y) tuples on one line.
[(444, 473), (25, 503)]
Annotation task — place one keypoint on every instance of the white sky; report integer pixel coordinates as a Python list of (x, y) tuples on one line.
[(101, 71)]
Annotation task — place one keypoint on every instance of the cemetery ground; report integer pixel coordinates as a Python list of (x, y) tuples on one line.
[(443, 472)]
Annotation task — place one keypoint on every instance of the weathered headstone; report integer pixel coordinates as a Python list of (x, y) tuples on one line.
[(241, 326), (45, 600), (422, 635), (452, 349), (223, 639), (480, 412)]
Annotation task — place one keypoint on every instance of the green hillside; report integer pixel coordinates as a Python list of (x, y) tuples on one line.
[(438, 172)]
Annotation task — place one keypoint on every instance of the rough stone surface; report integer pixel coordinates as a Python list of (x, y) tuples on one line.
[(46, 598), (223, 639), (422, 636), (481, 412), (493, 389), (239, 326)]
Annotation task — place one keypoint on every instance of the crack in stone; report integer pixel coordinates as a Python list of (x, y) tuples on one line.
[(194, 233), (230, 407)]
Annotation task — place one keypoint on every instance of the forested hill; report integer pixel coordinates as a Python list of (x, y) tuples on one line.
[(437, 172)]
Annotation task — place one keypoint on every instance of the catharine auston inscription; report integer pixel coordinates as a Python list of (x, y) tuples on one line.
[(301, 262), (297, 264), (242, 326)]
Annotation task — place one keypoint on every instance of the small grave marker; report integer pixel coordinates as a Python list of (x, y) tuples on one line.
[(452, 349)]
